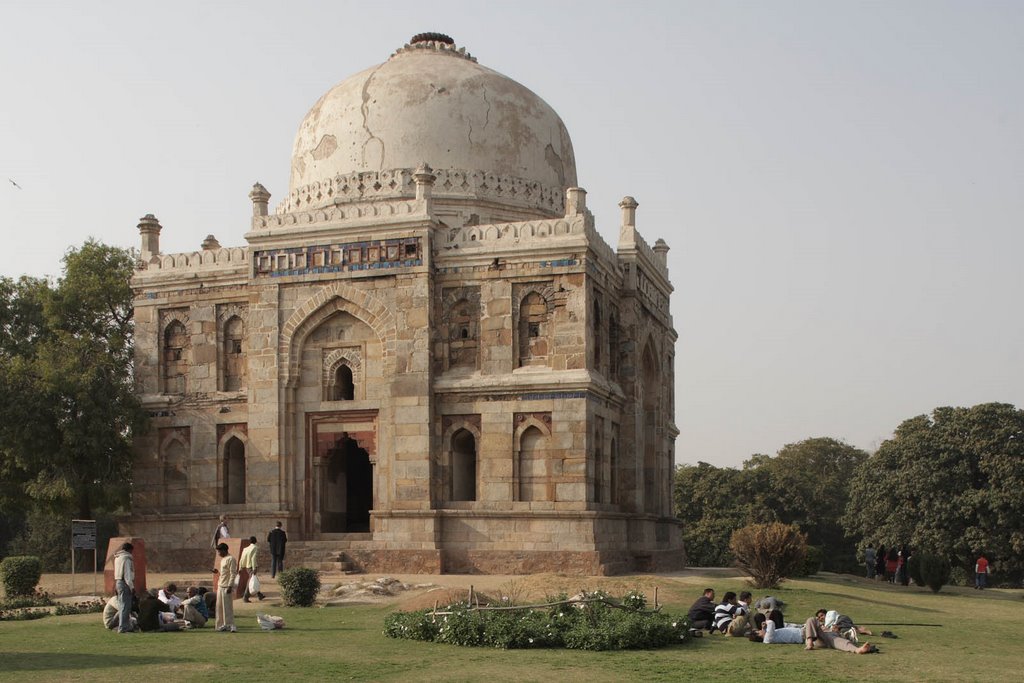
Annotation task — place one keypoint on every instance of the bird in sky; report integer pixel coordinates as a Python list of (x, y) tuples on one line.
[(16, 184)]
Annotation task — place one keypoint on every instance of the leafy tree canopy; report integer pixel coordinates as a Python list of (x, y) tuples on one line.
[(68, 410), (806, 484), (948, 483)]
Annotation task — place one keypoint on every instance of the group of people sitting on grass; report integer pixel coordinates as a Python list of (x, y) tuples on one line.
[(762, 622), (164, 610)]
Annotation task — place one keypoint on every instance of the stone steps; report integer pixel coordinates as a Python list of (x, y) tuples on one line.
[(328, 555)]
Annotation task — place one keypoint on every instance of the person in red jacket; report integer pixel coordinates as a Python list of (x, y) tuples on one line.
[(981, 572)]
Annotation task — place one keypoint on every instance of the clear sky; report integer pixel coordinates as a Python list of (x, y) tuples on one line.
[(841, 183)]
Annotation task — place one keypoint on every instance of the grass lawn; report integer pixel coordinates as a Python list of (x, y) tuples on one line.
[(975, 642)]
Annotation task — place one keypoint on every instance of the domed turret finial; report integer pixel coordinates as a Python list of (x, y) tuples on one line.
[(260, 200), (431, 38), (149, 229)]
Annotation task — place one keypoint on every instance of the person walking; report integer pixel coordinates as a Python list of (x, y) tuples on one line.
[(869, 561), (981, 572), (225, 590), (221, 532), (276, 541), (248, 561), (124, 584)]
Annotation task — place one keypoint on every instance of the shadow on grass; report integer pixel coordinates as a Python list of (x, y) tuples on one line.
[(846, 597), (48, 661)]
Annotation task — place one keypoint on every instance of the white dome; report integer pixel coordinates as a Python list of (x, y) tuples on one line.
[(431, 103)]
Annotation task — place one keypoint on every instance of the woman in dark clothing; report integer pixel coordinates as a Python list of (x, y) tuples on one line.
[(880, 563)]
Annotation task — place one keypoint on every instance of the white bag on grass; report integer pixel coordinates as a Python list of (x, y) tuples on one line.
[(268, 622)]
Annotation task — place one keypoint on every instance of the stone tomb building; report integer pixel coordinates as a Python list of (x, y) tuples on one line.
[(426, 359)]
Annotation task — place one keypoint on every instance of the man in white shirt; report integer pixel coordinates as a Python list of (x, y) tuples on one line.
[(124, 584), (169, 596)]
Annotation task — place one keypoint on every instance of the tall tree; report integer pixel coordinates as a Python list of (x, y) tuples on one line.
[(806, 483), (68, 408), (713, 502), (809, 487), (949, 483)]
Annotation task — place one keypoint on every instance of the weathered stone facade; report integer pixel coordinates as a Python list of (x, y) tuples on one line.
[(432, 369)]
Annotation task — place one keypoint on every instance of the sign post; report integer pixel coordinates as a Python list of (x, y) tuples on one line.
[(83, 537)]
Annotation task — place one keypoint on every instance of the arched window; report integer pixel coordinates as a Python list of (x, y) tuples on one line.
[(344, 386), (463, 465), (651, 428), (176, 474), (613, 479), (234, 354), (175, 358), (463, 334), (533, 330), (533, 466), (234, 471), (613, 347)]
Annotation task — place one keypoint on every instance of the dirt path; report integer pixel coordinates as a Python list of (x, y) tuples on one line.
[(340, 588)]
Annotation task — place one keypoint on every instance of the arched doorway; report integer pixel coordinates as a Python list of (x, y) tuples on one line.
[(234, 471), (348, 488)]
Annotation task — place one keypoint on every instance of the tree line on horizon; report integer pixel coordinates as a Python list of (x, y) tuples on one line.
[(948, 483)]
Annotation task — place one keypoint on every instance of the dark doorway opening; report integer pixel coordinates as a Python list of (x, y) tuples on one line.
[(348, 488)]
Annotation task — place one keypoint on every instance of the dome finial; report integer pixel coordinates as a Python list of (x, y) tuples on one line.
[(431, 38)]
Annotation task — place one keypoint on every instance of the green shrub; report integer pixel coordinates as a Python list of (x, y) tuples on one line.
[(86, 607), (812, 561), (634, 599), (299, 586), (768, 552), (36, 599), (20, 575), (583, 626), (935, 571), (914, 569)]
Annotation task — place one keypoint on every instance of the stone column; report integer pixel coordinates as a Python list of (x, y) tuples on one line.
[(424, 177), (260, 200), (575, 201), (661, 250), (149, 228), (628, 205)]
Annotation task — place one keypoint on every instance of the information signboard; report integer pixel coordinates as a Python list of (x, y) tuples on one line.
[(83, 534)]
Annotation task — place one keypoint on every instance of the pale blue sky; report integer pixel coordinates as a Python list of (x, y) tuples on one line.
[(841, 183)]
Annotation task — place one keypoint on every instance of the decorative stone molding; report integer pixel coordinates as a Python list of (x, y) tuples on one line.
[(335, 297), (344, 192), (226, 312), (339, 257), (545, 289), (208, 259), (167, 316), (333, 358), (450, 423)]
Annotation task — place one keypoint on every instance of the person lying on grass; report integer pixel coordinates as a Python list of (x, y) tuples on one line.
[(772, 629), (842, 624), (818, 638)]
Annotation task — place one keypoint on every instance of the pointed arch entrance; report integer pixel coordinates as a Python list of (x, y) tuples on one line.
[(341, 485)]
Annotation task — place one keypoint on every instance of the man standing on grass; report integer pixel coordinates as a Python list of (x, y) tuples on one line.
[(869, 561), (225, 590), (124, 584), (276, 541), (981, 572)]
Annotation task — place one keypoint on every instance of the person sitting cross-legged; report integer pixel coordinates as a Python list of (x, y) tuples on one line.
[(730, 616), (702, 612)]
